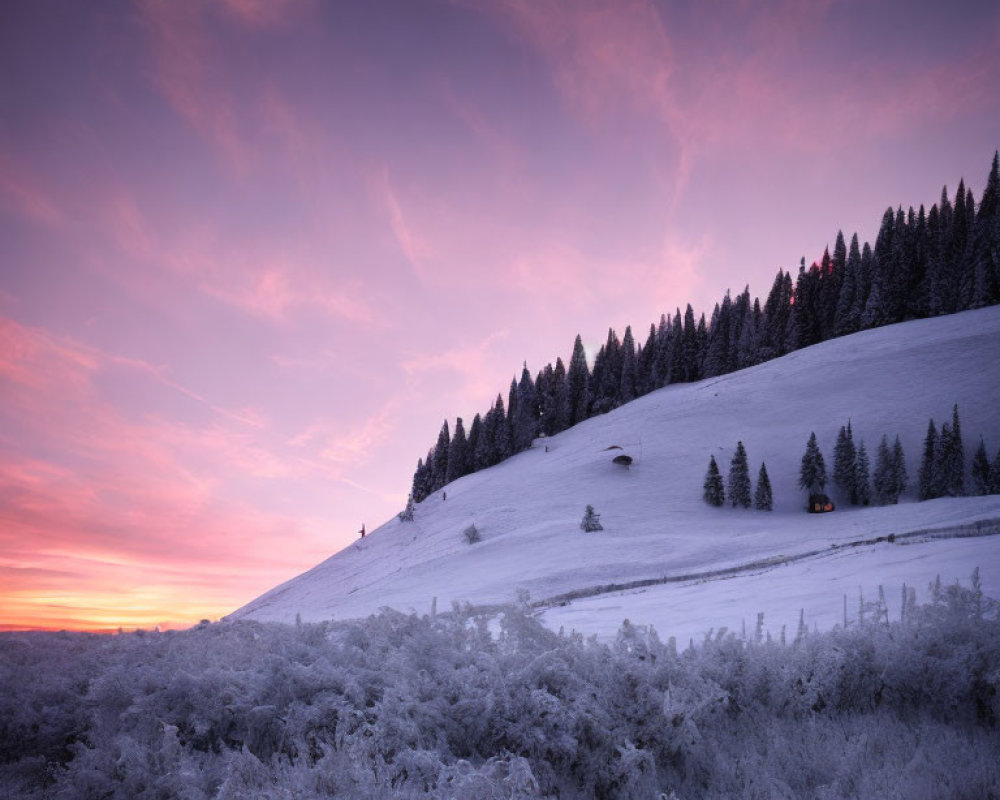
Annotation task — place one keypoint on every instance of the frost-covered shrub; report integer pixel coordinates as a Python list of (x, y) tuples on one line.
[(471, 534), (400, 706)]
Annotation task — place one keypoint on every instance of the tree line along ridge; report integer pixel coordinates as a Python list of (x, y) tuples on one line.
[(924, 263)]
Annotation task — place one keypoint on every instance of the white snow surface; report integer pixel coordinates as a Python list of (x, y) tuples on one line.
[(656, 525)]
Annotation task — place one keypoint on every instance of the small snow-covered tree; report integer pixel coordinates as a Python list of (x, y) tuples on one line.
[(812, 474), (472, 534), (762, 497), (406, 515), (715, 494), (591, 521), (739, 478)]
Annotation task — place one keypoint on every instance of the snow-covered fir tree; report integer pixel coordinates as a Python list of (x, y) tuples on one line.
[(714, 493), (844, 458), (927, 478), (762, 497), (862, 477), (812, 473), (406, 515), (980, 470), (739, 478)]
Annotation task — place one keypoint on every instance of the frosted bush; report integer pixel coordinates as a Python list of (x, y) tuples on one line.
[(400, 706)]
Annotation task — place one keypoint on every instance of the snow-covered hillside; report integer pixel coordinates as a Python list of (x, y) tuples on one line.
[(656, 525)]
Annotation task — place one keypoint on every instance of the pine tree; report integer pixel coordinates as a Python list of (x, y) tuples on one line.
[(502, 446), (458, 454), (844, 457), (416, 487), (629, 372), (441, 457), (927, 477), (995, 474), (862, 479), (714, 494), (884, 480), (942, 460), (577, 380), (526, 421), (812, 474), (981, 470), (591, 521), (901, 477), (955, 464), (762, 497), (739, 478)]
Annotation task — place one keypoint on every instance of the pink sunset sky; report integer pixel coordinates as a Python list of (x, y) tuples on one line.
[(253, 253)]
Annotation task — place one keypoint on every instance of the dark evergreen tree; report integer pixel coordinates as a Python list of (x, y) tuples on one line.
[(591, 521), (846, 316), (927, 478), (562, 406), (981, 470), (901, 476), (762, 497), (485, 453), (717, 354), (416, 488), (949, 462), (739, 478), (844, 460), (577, 379), (441, 457), (986, 241), (995, 474), (862, 478), (526, 423), (777, 313), (502, 446), (714, 494), (458, 454), (629, 369), (884, 479), (646, 364), (475, 431), (812, 473)]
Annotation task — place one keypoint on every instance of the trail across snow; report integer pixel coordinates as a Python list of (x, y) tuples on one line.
[(528, 509)]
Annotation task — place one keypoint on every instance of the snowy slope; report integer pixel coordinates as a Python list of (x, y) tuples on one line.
[(656, 525)]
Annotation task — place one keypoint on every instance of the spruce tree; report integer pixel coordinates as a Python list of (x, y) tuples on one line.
[(862, 479), (458, 454), (629, 373), (812, 474), (956, 458), (526, 421), (981, 470), (995, 474), (884, 479), (714, 493), (739, 478), (591, 521), (927, 477), (901, 477), (577, 379), (762, 497), (441, 457), (844, 458), (942, 461)]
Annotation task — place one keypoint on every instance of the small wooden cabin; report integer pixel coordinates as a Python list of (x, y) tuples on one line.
[(819, 503)]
